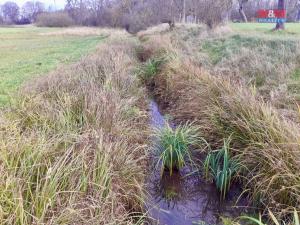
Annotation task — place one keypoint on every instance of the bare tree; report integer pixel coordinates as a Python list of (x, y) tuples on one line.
[(184, 11), (31, 10), (10, 12), (241, 10), (280, 24), (167, 11), (214, 12), (1, 15), (1, 19), (135, 15), (298, 10)]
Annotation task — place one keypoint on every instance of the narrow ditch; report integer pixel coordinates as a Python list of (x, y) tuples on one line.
[(185, 197)]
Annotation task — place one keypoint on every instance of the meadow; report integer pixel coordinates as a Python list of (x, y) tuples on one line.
[(75, 134), (28, 52)]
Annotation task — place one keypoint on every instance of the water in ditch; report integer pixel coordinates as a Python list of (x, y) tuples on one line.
[(185, 199)]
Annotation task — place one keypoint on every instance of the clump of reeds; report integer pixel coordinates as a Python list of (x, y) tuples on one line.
[(174, 146), (149, 69), (222, 167)]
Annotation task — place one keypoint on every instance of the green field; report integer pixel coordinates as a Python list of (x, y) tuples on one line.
[(291, 28), (26, 52), (254, 52)]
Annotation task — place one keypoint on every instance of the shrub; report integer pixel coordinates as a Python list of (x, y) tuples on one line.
[(174, 146), (213, 13), (54, 19), (23, 21)]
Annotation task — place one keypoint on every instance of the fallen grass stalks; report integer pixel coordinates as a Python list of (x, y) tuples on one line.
[(273, 219)]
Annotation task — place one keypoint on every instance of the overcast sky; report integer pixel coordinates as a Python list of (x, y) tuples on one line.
[(59, 3)]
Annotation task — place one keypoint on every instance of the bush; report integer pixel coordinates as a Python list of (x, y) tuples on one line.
[(22, 21), (54, 19), (213, 13)]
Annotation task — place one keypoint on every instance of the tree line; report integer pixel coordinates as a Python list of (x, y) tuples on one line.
[(11, 13), (135, 15)]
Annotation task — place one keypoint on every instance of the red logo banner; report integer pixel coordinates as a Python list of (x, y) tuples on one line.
[(272, 13)]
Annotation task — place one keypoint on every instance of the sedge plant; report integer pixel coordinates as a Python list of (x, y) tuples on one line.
[(221, 167), (174, 146), (150, 68)]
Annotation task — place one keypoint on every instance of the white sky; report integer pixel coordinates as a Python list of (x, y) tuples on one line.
[(59, 3)]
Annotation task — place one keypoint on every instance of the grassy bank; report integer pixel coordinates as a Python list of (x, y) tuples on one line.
[(27, 52), (72, 144), (220, 97)]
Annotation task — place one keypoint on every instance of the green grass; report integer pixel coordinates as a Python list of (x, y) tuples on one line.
[(296, 74), (293, 85), (291, 28), (174, 146), (220, 165), (150, 68), (25, 53), (221, 48), (259, 56)]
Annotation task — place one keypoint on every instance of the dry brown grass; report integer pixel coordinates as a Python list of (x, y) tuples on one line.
[(86, 31), (262, 60), (72, 145), (266, 142)]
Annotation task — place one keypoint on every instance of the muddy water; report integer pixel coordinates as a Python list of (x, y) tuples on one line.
[(184, 199)]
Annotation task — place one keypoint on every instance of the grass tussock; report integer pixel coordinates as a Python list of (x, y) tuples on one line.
[(222, 167), (265, 142), (72, 145), (149, 69), (174, 146)]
